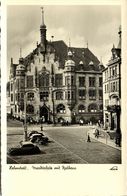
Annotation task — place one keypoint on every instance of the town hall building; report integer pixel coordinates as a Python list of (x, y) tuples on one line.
[(56, 83)]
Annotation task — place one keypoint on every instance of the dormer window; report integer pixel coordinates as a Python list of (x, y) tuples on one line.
[(91, 63)]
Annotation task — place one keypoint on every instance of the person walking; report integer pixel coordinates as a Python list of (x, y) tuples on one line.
[(88, 138)]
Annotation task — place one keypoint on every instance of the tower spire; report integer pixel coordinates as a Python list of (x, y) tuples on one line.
[(119, 44), (20, 56), (43, 33), (42, 20)]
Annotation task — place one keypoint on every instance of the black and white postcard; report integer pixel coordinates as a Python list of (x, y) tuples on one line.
[(63, 98)]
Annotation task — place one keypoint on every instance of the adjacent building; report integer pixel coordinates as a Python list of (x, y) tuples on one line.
[(56, 83), (112, 89)]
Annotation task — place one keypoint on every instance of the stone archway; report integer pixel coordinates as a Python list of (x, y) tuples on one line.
[(44, 113)]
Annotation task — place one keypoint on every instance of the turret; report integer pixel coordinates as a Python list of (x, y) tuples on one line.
[(20, 70), (70, 64), (113, 50)]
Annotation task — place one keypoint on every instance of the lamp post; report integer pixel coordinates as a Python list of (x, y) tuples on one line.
[(42, 120)]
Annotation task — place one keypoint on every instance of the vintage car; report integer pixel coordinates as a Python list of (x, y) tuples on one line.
[(37, 137), (34, 132), (24, 148)]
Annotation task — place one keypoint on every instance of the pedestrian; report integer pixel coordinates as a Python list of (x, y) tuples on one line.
[(99, 124), (88, 138), (95, 133)]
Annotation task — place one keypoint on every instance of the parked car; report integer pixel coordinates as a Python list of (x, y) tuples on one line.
[(24, 148), (34, 132), (37, 137)]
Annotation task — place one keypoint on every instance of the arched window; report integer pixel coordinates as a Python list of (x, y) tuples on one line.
[(60, 108), (81, 109), (92, 108), (30, 109)]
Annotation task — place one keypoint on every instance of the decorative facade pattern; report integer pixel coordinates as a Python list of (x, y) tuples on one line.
[(61, 83)]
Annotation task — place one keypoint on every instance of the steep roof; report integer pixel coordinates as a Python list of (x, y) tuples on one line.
[(79, 54)]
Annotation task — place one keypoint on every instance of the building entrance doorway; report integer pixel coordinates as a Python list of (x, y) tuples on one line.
[(44, 114)]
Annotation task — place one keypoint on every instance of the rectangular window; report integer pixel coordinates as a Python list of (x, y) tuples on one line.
[(29, 81), (30, 96), (82, 94), (114, 87), (17, 84), (11, 97), (67, 80), (22, 95), (92, 81), (68, 95), (92, 94), (44, 96), (22, 83), (59, 95), (100, 94), (11, 86), (100, 82), (44, 80), (81, 81), (72, 95), (116, 70), (72, 80), (111, 86), (58, 79), (113, 71)]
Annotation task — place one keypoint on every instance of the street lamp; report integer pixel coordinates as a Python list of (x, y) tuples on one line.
[(42, 120)]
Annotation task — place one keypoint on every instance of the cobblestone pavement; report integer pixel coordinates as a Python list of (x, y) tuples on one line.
[(68, 145)]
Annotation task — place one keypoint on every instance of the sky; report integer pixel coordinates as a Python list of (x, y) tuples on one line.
[(96, 24)]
